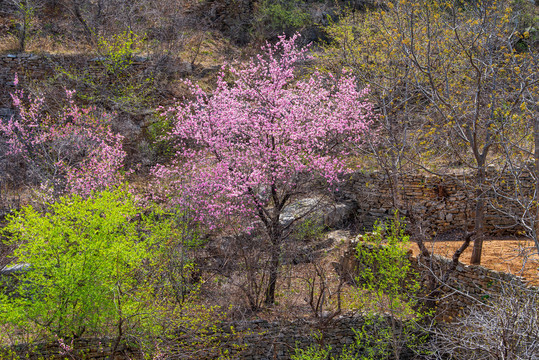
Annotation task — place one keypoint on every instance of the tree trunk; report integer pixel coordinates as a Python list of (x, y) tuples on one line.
[(25, 24), (22, 39), (395, 187), (276, 233), (273, 274), (89, 33), (479, 216), (536, 158)]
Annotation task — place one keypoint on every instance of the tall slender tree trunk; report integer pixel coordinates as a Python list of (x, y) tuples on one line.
[(22, 38), (25, 13), (479, 216), (536, 158), (394, 179)]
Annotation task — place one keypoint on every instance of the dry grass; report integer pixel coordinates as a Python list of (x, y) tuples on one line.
[(38, 43)]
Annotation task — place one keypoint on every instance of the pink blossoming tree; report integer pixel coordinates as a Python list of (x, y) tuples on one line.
[(261, 140), (74, 151)]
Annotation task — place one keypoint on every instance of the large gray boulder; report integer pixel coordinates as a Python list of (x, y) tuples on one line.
[(9, 277), (320, 210), (15, 269)]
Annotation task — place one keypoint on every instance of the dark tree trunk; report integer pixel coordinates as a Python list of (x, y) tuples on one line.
[(275, 231), (25, 24), (479, 216), (273, 271), (22, 39)]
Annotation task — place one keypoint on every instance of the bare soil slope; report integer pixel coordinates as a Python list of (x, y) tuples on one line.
[(510, 255)]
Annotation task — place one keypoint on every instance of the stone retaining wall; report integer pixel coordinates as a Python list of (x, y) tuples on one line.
[(459, 289), (467, 285), (38, 68), (442, 203), (254, 340), (87, 349), (11, 64), (33, 68)]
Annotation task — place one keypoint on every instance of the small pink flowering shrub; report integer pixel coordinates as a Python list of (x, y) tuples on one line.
[(262, 139), (74, 151)]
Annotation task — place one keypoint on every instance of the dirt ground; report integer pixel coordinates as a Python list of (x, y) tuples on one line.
[(509, 255)]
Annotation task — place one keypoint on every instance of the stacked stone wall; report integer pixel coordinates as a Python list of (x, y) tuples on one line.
[(442, 203), (87, 349), (253, 340), (456, 289), (463, 287)]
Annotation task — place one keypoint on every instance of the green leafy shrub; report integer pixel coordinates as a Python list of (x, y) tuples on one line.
[(160, 145), (118, 50), (309, 229), (100, 268), (313, 352), (388, 294), (86, 259)]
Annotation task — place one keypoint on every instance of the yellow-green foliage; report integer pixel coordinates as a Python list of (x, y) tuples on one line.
[(447, 68), (385, 271), (119, 50), (385, 297), (389, 287), (100, 268), (86, 258)]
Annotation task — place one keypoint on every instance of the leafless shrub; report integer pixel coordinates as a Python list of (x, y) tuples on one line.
[(323, 297), (503, 328), (239, 265)]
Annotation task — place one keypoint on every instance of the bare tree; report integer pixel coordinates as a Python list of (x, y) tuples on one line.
[(519, 187), (366, 44), (440, 79)]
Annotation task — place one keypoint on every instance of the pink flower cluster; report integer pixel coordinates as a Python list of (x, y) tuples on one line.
[(250, 145), (75, 151), (64, 348)]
